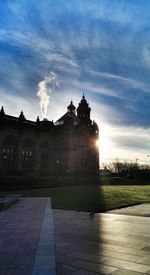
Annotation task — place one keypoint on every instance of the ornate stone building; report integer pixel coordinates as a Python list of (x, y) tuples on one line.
[(64, 151)]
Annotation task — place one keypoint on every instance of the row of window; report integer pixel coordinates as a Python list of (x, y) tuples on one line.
[(10, 158), (10, 153)]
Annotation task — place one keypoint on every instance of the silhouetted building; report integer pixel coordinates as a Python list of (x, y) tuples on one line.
[(64, 150)]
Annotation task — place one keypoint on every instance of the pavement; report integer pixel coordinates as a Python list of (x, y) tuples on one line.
[(31, 241), (104, 244), (27, 238), (142, 210)]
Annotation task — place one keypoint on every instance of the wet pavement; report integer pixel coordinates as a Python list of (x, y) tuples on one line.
[(104, 244), (31, 242)]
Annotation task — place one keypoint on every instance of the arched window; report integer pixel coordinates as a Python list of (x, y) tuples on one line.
[(43, 158), (27, 153), (9, 152)]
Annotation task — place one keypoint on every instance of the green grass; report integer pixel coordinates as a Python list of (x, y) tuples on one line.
[(90, 198), (121, 196)]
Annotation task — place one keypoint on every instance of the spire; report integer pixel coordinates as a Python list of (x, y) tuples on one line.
[(71, 107), (22, 117), (2, 113), (83, 100), (83, 111), (38, 119)]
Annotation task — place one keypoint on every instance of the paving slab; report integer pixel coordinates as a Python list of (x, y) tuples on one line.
[(103, 244), (27, 238), (142, 210), (106, 244)]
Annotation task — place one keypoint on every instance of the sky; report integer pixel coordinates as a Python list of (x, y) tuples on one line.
[(100, 48)]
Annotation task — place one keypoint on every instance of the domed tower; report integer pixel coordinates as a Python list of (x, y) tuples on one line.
[(69, 118), (83, 111), (71, 107)]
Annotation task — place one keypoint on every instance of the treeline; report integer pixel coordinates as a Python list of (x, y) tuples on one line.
[(129, 170)]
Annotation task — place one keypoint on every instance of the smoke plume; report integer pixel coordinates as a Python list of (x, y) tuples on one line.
[(45, 87)]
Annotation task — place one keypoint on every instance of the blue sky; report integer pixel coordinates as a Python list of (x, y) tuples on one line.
[(99, 47)]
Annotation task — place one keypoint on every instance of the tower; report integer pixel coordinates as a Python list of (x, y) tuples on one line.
[(71, 107), (83, 111)]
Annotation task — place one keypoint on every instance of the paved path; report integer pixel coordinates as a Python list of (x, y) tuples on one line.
[(27, 238), (142, 210), (106, 244)]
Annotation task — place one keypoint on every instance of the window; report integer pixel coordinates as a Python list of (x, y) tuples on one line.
[(43, 160), (27, 153), (43, 156), (9, 152)]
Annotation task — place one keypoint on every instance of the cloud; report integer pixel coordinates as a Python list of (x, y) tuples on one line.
[(103, 52), (122, 143), (132, 143), (128, 82), (14, 104)]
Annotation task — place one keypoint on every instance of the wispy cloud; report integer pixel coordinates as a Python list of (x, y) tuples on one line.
[(103, 52), (128, 82)]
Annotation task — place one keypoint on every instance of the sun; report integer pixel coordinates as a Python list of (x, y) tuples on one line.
[(97, 143)]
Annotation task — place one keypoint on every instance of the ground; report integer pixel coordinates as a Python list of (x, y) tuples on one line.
[(105, 244), (108, 244), (96, 198)]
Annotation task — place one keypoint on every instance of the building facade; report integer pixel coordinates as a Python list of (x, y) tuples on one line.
[(43, 150)]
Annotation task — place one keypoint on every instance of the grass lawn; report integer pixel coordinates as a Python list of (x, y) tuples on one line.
[(94, 198)]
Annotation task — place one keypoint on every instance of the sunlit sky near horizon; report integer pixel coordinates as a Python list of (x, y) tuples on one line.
[(99, 47)]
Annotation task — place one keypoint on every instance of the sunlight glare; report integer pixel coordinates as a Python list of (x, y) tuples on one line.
[(97, 143)]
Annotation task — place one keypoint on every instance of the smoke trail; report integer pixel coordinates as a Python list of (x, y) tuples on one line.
[(45, 87)]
